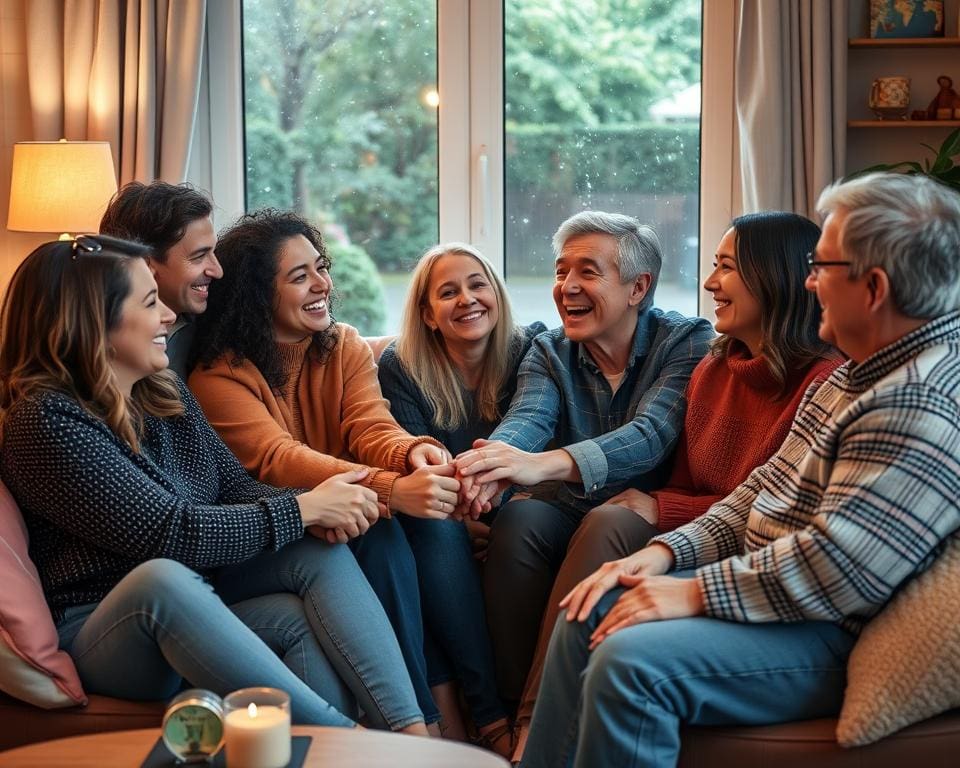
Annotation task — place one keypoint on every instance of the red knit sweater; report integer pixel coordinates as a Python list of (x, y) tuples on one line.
[(735, 422)]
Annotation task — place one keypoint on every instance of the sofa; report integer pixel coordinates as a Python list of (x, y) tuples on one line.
[(41, 697)]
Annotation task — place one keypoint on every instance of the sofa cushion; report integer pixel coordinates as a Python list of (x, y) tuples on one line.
[(32, 666), (906, 665)]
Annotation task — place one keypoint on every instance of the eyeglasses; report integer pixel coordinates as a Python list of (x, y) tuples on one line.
[(85, 244), (815, 266)]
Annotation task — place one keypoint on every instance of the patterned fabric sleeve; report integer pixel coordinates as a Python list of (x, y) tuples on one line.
[(72, 470), (890, 502), (645, 441), (530, 423)]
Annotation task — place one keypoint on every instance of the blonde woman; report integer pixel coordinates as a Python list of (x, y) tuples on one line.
[(451, 375), (452, 372)]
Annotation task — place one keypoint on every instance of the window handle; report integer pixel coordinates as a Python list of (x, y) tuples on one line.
[(483, 173)]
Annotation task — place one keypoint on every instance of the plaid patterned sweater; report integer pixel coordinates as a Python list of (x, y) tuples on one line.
[(860, 497)]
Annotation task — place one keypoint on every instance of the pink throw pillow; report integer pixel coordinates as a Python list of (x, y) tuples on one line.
[(32, 666)]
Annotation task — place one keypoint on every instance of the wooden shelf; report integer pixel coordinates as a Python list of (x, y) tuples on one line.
[(903, 123), (904, 42)]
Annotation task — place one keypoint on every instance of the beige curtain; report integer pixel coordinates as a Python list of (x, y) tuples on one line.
[(123, 71), (790, 84)]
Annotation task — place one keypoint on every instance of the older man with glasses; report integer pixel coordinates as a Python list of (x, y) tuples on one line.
[(781, 575)]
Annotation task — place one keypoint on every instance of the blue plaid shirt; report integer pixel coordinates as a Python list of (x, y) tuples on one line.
[(860, 497), (619, 439)]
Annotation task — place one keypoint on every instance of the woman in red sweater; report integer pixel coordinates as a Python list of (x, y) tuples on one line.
[(741, 400)]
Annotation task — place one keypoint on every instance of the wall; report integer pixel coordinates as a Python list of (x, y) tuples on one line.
[(15, 126)]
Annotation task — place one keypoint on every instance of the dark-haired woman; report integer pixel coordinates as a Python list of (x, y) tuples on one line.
[(296, 398), (163, 562), (741, 400)]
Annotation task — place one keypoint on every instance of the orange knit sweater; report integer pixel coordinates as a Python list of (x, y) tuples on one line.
[(329, 416)]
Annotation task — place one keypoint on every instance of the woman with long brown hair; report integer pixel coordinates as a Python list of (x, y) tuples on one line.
[(163, 562)]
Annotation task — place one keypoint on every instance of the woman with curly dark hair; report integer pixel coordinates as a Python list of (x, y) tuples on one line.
[(295, 396), (162, 560)]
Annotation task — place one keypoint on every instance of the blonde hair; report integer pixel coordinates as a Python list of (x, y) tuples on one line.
[(422, 351), (56, 315)]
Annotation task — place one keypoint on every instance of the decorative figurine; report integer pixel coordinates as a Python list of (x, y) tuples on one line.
[(944, 103)]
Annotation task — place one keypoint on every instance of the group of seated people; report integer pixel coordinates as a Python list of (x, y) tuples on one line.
[(224, 487)]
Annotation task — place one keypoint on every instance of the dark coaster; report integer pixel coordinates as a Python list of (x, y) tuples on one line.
[(160, 756)]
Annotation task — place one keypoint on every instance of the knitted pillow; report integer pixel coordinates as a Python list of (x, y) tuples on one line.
[(905, 666), (32, 667)]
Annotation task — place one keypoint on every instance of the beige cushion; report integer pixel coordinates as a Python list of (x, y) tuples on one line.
[(906, 665)]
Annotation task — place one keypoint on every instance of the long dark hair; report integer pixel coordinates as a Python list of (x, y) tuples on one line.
[(771, 250), (62, 302), (239, 317)]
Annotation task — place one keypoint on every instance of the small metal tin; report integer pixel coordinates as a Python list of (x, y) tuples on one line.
[(193, 725)]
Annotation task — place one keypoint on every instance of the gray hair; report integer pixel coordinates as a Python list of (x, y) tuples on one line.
[(909, 226), (638, 247)]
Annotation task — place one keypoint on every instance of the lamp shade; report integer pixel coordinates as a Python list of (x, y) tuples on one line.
[(60, 186)]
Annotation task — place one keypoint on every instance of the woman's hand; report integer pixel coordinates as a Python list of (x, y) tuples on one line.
[(427, 455), (650, 598), (642, 503), (652, 560), (430, 492), (338, 503)]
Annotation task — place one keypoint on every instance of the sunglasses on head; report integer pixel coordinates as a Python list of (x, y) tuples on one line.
[(85, 244)]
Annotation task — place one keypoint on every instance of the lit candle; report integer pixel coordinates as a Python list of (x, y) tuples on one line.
[(257, 736)]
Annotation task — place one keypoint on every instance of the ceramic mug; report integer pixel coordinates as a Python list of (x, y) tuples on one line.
[(890, 96)]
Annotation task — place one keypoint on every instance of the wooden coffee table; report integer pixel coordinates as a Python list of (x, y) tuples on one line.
[(330, 747)]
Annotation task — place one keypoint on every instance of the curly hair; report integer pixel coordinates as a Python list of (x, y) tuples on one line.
[(56, 318), (156, 214), (239, 317)]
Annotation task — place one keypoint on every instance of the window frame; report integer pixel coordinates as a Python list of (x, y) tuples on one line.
[(470, 124)]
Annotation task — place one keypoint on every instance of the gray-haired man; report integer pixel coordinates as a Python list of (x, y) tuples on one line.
[(608, 390)]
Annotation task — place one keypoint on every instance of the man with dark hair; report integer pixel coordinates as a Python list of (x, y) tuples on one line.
[(174, 220)]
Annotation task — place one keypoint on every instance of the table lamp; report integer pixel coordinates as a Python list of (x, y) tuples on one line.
[(60, 186)]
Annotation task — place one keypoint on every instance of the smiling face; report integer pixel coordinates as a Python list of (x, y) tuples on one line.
[(184, 277), (738, 311), (301, 291), (595, 305), (461, 302), (843, 301), (139, 342)]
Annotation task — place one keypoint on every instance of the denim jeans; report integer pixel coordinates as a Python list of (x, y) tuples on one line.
[(303, 619), (386, 559), (623, 703), (453, 611)]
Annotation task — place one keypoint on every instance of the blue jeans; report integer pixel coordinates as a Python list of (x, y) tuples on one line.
[(623, 703), (458, 640), (303, 619), (385, 557)]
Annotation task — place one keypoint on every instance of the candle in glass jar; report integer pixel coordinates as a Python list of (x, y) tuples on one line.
[(257, 737)]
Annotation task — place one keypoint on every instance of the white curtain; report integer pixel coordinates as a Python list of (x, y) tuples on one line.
[(790, 85), (123, 71)]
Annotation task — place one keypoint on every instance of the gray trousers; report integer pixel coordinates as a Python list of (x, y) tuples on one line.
[(538, 552)]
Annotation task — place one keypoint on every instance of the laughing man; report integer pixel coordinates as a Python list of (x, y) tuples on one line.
[(607, 389), (174, 220)]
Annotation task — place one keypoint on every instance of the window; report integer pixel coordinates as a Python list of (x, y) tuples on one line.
[(598, 107), (341, 126), (602, 112)]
